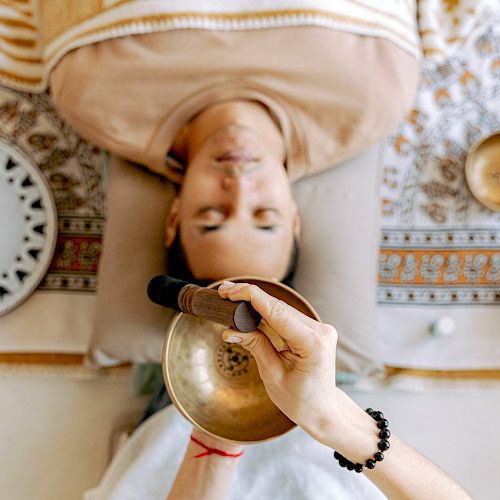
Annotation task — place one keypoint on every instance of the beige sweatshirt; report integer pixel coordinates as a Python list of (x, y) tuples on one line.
[(333, 92)]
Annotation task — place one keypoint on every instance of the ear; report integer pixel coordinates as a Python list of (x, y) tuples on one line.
[(172, 222)]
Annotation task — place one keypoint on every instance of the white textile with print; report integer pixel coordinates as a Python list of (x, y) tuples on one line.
[(440, 248)]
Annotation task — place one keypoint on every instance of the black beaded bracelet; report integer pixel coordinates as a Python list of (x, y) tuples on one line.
[(383, 445)]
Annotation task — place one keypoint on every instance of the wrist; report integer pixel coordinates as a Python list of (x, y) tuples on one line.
[(216, 443), (347, 429), (356, 443), (383, 445)]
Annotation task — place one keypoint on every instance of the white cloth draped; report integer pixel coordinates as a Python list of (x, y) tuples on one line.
[(293, 466)]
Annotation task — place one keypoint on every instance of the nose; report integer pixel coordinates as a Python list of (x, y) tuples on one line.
[(236, 183), (241, 190)]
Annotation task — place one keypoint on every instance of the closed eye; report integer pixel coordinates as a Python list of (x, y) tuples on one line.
[(208, 229), (266, 228)]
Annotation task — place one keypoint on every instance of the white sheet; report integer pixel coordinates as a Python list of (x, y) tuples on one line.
[(291, 467)]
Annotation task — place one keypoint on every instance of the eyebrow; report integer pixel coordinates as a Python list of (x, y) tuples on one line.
[(204, 210), (270, 209)]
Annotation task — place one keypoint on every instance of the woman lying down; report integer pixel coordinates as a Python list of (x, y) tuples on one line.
[(339, 451)]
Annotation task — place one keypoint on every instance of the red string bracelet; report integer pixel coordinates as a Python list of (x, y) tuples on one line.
[(214, 451)]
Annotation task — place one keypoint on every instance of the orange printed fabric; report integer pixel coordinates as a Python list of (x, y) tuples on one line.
[(465, 273)]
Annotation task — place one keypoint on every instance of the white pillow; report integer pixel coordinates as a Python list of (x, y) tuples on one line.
[(336, 268)]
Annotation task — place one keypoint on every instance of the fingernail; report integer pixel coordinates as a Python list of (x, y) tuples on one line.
[(225, 285), (233, 340)]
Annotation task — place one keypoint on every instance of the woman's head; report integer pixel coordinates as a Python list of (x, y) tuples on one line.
[(234, 213)]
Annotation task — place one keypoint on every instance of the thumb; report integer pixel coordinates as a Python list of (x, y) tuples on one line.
[(259, 346)]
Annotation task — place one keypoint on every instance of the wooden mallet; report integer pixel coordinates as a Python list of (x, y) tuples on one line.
[(203, 302)]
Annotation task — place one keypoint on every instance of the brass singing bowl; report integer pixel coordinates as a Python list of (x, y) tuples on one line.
[(482, 171), (216, 385)]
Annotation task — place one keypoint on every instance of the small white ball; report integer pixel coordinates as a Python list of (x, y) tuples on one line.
[(443, 326)]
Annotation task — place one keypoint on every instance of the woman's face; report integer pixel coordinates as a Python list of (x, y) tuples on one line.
[(235, 210)]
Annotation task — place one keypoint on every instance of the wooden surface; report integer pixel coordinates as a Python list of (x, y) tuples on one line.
[(48, 358)]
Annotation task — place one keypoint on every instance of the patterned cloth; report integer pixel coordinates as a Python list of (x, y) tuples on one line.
[(440, 248), (445, 25), (62, 306), (73, 169)]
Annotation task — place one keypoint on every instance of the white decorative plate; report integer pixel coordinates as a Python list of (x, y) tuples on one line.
[(28, 227)]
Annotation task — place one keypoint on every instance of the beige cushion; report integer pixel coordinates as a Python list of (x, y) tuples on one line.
[(336, 269), (128, 326), (337, 265)]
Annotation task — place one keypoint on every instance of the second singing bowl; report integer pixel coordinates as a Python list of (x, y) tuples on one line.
[(216, 385), (482, 171)]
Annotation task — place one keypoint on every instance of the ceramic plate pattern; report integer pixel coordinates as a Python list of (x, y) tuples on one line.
[(28, 227)]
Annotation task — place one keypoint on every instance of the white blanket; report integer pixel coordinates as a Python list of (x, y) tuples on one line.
[(291, 467)]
